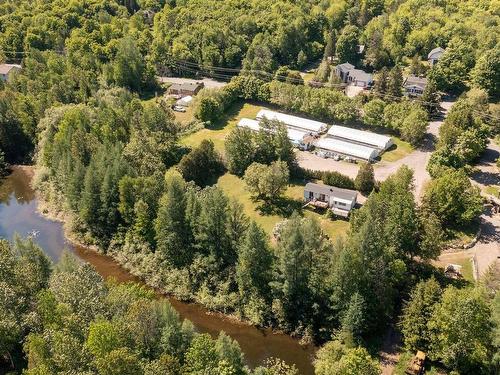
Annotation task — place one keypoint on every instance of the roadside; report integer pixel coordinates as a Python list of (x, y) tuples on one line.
[(209, 82)]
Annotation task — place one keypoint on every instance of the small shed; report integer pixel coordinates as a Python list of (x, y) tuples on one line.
[(7, 69), (435, 54)]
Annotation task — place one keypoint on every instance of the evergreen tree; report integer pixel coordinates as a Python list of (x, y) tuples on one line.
[(395, 83), (173, 236), (90, 201), (365, 180), (380, 85)]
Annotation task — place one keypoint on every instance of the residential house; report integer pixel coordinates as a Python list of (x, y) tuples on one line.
[(352, 76), (340, 201), (434, 56), (186, 88), (7, 69), (414, 86)]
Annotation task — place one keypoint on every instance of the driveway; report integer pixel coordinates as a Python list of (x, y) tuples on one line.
[(417, 160)]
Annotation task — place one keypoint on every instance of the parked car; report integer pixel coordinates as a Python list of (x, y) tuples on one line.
[(321, 154), (350, 160), (178, 108)]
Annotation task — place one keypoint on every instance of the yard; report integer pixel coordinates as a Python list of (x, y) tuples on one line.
[(267, 217), (218, 131), (399, 150)]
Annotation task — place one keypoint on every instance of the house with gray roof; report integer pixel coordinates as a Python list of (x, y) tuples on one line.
[(352, 76), (434, 56), (340, 201), (414, 86), (186, 88)]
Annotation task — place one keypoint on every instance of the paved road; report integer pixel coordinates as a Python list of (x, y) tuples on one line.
[(417, 160), (210, 83)]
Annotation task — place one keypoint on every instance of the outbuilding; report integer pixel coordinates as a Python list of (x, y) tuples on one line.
[(347, 149), (414, 86), (7, 69), (298, 138), (296, 122), (186, 88), (435, 54), (360, 137), (185, 101)]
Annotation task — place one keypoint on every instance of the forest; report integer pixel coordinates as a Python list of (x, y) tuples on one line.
[(85, 110)]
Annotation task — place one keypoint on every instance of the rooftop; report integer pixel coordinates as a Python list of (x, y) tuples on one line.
[(6, 68), (346, 194), (435, 50), (347, 148), (415, 81), (369, 138), (360, 75), (293, 121), (345, 67)]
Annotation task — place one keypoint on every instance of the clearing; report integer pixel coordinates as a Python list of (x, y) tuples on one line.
[(268, 217), (218, 131)]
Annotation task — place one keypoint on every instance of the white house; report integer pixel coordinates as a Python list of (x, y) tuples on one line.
[(414, 86), (340, 201), (7, 69), (434, 56), (298, 123), (352, 76), (360, 137)]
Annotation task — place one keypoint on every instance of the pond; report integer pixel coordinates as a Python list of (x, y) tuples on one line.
[(18, 214)]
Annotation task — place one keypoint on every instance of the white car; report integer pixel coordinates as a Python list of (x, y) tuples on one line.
[(178, 108)]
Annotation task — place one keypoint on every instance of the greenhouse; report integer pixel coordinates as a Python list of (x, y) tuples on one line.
[(348, 149), (293, 121), (370, 139)]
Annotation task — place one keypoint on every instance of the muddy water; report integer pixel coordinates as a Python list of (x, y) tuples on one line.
[(18, 214)]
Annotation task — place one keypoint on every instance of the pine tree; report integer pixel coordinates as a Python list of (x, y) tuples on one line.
[(380, 85), (172, 232), (365, 180), (395, 83), (90, 202)]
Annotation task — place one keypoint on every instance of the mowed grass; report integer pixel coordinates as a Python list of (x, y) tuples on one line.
[(218, 131), (493, 190), (399, 150), (185, 117), (234, 187)]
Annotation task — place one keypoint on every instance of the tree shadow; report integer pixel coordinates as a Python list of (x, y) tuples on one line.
[(486, 178), (281, 206), (230, 114)]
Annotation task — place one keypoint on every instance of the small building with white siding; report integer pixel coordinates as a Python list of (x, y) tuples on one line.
[(364, 138), (347, 149), (185, 101), (290, 121), (340, 201)]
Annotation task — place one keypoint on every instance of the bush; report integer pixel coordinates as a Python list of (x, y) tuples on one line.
[(365, 180), (338, 180)]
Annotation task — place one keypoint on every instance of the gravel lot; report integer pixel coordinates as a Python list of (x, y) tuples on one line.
[(209, 83)]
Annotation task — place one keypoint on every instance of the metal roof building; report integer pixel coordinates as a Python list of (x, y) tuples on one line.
[(295, 136), (293, 121), (347, 148), (382, 142)]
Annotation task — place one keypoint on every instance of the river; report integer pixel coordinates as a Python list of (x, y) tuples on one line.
[(18, 214)]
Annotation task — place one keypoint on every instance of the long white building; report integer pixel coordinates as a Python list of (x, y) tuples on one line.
[(347, 148), (295, 136), (381, 142), (298, 123)]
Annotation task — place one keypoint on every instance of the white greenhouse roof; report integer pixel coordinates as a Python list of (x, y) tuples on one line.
[(294, 135), (293, 121), (368, 138), (249, 123), (347, 148)]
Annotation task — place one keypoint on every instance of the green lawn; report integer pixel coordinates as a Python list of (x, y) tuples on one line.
[(308, 76), (234, 187), (399, 150), (218, 131), (493, 190)]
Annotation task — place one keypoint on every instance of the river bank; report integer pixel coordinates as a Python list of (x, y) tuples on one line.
[(257, 344)]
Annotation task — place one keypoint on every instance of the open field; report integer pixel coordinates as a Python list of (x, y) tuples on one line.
[(267, 217), (219, 130), (185, 117)]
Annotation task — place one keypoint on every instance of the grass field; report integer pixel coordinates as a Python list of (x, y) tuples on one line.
[(493, 190), (398, 151), (267, 217), (218, 131), (185, 117)]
